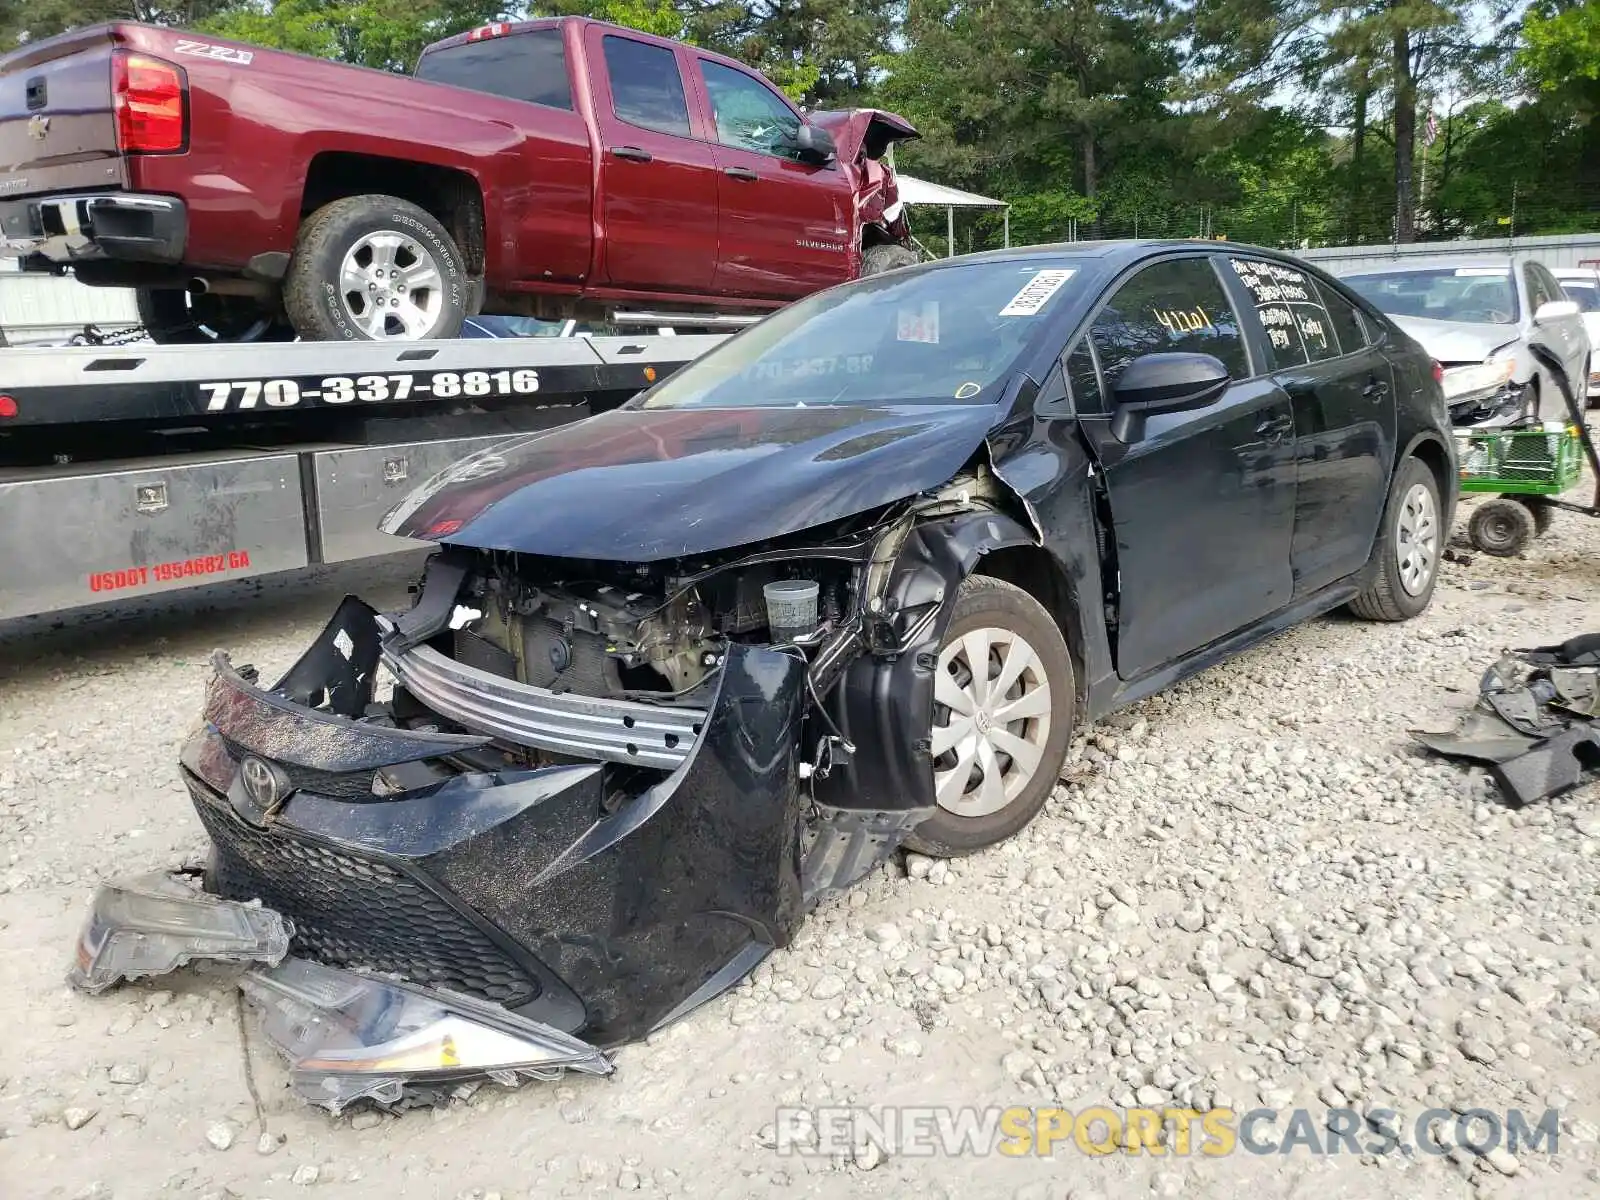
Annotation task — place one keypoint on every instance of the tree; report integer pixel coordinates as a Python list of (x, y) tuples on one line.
[(387, 34)]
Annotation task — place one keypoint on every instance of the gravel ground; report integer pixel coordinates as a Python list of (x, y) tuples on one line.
[(1249, 892)]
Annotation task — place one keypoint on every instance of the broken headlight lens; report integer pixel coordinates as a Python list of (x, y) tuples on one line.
[(152, 924), (350, 1037)]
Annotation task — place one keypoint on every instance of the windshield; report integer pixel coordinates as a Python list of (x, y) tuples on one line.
[(945, 336), (1482, 295)]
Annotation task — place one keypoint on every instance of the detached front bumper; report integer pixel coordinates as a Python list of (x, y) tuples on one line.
[(99, 225), (599, 898)]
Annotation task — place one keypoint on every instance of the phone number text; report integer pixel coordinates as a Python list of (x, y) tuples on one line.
[(228, 395)]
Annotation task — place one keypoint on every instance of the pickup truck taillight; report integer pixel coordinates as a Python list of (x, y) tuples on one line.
[(148, 97)]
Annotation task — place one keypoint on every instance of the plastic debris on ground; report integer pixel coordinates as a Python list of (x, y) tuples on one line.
[(152, 924), (350, 1037), (1537, 721)]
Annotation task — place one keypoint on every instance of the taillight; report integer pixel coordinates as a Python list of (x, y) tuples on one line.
[(8, 407), (147, 96)]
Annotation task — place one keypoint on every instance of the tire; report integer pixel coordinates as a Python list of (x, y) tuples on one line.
[(1502, 527), (173, 317), (354, 252), (888, 256), (1544, 516), (1394, 592), (994, 616)]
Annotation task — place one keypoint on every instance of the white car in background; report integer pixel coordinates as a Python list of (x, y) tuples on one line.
[(1582, 286), (1478, 317)]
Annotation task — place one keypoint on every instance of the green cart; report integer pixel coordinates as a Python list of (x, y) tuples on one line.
[(1528, 468)]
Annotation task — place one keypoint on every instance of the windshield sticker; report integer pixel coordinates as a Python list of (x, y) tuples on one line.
[(968, 390), (1036, 293), (920, 324)]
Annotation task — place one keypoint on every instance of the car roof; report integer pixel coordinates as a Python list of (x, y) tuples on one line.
[(1117, 253)]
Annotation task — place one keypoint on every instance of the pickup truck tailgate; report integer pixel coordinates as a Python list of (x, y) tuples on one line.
[(57, 127)]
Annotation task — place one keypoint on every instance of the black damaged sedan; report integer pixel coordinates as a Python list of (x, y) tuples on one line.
[(847, 583)]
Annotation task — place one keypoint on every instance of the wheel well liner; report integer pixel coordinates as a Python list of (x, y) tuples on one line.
[(883, 695), (452, 197), (1433, 454)]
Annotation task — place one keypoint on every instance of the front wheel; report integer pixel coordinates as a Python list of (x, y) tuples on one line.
[(375, 268), (1405, 555), (1002, 718)]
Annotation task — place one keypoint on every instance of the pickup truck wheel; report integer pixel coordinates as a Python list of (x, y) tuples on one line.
[(887, 257), (1405, 555), (1002, 717), (172, 316), (375, 268)]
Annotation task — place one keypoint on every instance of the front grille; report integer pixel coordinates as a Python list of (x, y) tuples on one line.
[(356, 913)]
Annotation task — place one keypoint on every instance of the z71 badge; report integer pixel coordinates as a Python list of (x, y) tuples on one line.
[(242, 58)]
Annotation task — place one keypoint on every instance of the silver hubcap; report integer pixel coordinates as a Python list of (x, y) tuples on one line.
[(1416, 544), (991, 720), (391, 286)]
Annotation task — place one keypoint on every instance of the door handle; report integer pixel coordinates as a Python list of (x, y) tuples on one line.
[(744, 173), (631, 153), (1276, 428), (1376, 390)]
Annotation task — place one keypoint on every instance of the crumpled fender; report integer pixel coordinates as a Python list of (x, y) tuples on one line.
[(883, 695)]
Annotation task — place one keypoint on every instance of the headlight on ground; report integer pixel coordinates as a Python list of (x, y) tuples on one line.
[(152, 924), (351, 1037)]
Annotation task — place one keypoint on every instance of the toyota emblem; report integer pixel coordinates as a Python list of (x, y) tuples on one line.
[(261, 783)]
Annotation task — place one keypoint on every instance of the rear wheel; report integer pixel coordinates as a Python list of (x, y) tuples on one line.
[(1502, 527), (1002, 717), (1405, 557), (375, 268), (173, 316)]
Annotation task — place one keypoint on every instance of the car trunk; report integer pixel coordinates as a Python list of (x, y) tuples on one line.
[(57, 128)]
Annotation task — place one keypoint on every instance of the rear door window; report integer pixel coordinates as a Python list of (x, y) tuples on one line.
[(528, 66), (1290, 308), (749, 115), (1346, 321), (646, 86), (1175, 306)]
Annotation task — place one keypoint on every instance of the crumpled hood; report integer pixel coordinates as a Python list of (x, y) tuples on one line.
[(645, 484), (1457, 341)]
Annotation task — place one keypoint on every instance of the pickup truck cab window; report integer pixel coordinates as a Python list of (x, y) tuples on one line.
[(749, 114), (646, 86), (529, 66)]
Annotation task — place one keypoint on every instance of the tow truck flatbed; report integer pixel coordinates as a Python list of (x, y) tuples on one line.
[(157, 384), (130, 470)]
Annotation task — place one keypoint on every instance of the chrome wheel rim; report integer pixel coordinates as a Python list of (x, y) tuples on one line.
[(1416, 545), (991, 721), (391, 286)]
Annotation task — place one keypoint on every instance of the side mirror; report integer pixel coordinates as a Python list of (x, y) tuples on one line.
[(1162, 383), (814, 144), (1554, 310)]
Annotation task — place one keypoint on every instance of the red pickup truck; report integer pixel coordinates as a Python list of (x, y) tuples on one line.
[(553, 168)]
